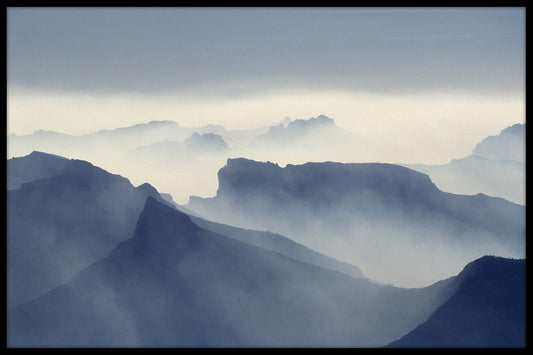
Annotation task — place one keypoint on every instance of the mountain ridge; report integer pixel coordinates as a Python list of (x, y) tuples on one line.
[(334, 207)]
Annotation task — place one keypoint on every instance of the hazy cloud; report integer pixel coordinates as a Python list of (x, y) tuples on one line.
[(229, 51)]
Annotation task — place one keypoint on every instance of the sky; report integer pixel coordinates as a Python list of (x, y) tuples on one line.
[(433, 73)]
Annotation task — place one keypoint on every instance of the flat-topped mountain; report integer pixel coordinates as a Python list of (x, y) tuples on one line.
[(362, 213)]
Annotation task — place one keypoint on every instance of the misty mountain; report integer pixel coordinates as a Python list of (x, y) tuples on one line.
[(279, 244), (65, 215), (496, 167), (176, 284), (34, 166), (290, 131), (270, 241), (487, 310), (206, 142), (114, 142), (41, 140), (509, 144), (372, 215), (475, 174), (173, 152), (317, 138)]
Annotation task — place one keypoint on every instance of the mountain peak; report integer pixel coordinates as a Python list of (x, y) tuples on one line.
[(205, 142), (161, 226), (39, 154), (147, 189), (509, 144), (312, 122)]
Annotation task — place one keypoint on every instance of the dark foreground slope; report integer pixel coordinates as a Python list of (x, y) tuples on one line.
[(487, 310), (65, 215), (176, 284)]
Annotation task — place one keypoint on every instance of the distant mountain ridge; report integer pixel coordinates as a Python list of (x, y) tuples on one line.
[(315, 138), (496, 167), (321, 185), (175, 152), (343, 209), (121, 139), (509, 144)]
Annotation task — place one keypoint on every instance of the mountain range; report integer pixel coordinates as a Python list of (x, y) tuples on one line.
[(174, 283), (270, 261), (99, 211)]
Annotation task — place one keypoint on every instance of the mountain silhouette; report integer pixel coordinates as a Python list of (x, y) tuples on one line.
[(36, 165), (487, 310), (270, 241), (369, 189), (95, 262), (114, 142), (316, 138), (173, 152), (509, 144), (205, 142), (356, 211), (496, 167), (176, 284), (68, 214), (289, 131), (279, 244)]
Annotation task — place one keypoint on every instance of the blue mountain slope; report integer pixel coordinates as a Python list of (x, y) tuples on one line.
[(280, 244), (487, 310), (59, 224), (36, 165), (176, 284)]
